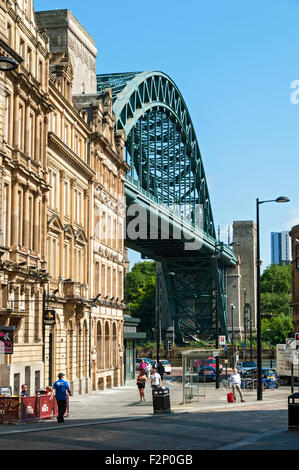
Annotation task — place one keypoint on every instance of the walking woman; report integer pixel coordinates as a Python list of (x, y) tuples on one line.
[(141, 379)]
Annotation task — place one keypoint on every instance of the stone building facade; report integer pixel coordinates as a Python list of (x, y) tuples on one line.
[(62, 209), (241, 280)]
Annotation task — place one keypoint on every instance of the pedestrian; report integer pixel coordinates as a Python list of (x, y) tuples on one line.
[(61, 387), (156, 381), (149, 370), (160, 369), (49, 390), (235, 380), (142, 365), (24, 391), (141, 380)]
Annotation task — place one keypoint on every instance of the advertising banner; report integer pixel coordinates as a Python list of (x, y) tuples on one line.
[(29, 408), (9, 409), (46, 406), (6, 339)]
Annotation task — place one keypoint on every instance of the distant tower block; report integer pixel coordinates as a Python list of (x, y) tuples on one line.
[(68, 37), (242, 276)]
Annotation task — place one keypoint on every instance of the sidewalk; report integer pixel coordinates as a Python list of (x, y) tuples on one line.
[(122, 403)]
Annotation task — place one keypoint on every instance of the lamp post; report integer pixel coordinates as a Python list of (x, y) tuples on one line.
[(258, 296), (247, 305), (245, 323), (232, 315)]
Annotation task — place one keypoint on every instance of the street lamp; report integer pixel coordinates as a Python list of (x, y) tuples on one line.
[(245, 323), (232, 315), (7, 64), (258, 296), (247, 305)]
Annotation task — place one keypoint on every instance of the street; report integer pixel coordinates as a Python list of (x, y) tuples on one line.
[(115, 420)]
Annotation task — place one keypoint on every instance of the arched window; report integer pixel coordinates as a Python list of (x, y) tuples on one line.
[(107, 346), (99, 346), (114, 346)]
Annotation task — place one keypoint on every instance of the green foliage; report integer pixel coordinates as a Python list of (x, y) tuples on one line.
[(276, 286), (140, 294), (277, 279), (276, 329)]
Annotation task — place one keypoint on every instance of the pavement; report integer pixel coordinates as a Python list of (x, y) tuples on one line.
[(215, 424)]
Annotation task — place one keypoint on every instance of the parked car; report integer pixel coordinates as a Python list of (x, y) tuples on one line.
[(167, 366), (211, 361), (245, 365), (206, 373)]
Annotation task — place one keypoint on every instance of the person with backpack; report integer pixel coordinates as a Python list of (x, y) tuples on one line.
[(160, 369)]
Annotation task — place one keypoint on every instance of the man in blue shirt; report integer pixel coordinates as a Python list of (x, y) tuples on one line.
[(60, 387)]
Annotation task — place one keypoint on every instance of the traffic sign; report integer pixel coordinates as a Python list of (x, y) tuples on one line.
[(291, 343), (222, 340)]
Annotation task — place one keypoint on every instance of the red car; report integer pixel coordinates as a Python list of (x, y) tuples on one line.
[(211, 361)]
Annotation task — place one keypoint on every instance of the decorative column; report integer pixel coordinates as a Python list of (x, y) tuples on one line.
[(26, 222), (14, 212), (16, 118)]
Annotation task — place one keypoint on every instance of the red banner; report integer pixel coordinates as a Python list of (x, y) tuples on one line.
[(9, 409), (46, 406), (29, 408)]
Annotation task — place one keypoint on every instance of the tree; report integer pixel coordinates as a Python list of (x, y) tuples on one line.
[(275, 330), (140, 294), (276, 285)]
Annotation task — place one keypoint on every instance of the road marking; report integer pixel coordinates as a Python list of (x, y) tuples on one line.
[(65, 425), (251, 439)]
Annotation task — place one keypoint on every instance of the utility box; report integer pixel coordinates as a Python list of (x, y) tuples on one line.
[(293, 411), (161, 400)]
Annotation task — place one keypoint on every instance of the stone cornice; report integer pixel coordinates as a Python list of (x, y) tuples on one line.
[(106, 146), (57, 144)]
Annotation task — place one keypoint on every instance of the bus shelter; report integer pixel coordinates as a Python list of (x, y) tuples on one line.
[(195, 386)]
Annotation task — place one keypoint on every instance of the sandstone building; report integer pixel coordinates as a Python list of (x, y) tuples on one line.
[(62, 208)]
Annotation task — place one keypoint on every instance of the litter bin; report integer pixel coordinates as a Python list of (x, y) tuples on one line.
[(161, 400), (293, 411)]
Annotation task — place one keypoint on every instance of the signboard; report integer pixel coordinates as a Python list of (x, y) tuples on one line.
[(290, 343), (222, 340), (9, 410), (6, 339), (49, 317), (285, 357)]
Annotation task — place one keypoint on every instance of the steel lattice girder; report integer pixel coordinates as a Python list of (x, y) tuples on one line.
[(162, 148), (192, 298), (167, 170)]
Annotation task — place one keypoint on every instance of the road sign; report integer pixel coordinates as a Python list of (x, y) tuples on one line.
[(222, 340), (291, 343)]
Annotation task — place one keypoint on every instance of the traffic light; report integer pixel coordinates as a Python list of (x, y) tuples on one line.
[(169, 345), (297, 339)]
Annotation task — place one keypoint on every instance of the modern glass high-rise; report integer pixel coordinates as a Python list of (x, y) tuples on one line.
[(280, 248)]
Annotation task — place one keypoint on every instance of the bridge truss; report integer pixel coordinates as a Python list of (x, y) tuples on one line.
[(167, 174)]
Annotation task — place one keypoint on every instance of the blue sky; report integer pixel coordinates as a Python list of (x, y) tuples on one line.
[(234, 63)]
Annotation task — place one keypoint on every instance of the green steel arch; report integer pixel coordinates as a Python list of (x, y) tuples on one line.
[(166, 165), (162, 147)]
